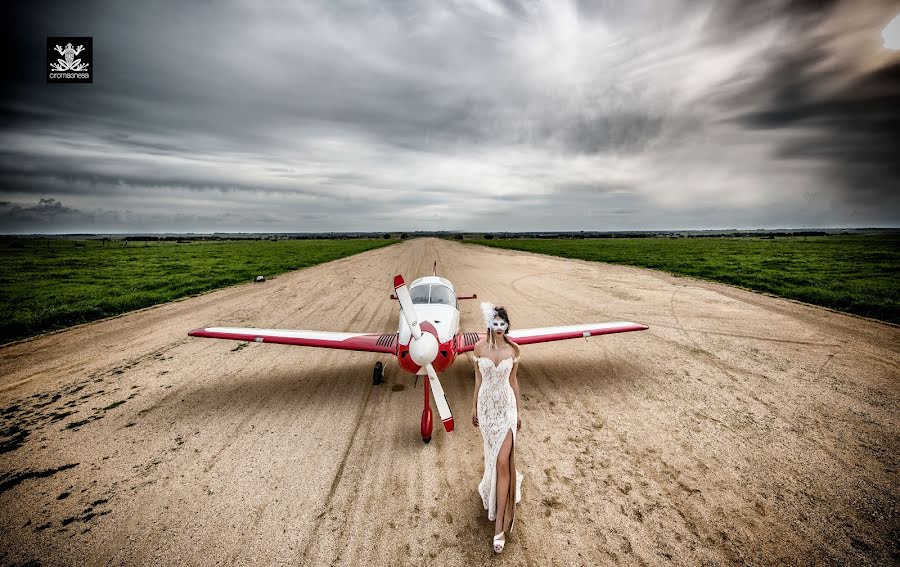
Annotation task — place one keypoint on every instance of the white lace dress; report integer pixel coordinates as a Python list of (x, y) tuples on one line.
[(497, 414)]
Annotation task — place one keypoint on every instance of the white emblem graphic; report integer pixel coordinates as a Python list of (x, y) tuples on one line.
[(69, 63)]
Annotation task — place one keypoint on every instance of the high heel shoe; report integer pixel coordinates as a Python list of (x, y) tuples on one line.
[(499, 542)]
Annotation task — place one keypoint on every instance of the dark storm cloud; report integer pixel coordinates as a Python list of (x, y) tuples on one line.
[(62, 219), (403, 115), (844, 114), (52, 213), (855, 128), (739, 17)]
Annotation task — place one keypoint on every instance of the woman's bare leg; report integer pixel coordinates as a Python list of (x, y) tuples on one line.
[(503, 482), (511, 501)]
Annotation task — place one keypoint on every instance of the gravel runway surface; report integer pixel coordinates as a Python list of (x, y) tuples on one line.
[(740, 428)]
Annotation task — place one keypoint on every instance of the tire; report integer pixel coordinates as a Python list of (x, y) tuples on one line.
[(378, 374)]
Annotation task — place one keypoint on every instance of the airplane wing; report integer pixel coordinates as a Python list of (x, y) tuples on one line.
[(368, 342), (547, 334)]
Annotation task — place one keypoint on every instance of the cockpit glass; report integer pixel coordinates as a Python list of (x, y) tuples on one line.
[(442, 295), (434, 294), (419, 294)]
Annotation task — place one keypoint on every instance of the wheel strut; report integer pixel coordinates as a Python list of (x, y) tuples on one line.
[(427, 421)]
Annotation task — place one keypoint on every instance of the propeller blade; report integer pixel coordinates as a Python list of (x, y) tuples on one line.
[(406, 306), (440, 400)]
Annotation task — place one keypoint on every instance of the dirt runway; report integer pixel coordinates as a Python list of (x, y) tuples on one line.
[(740, 428)]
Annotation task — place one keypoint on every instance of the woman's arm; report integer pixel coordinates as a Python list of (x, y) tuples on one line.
[(475, 394), (514, 383)]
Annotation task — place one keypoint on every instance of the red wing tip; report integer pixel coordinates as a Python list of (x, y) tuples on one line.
[(196, 332), (398, 281), (448, 424)]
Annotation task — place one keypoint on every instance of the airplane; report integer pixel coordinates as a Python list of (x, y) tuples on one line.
[(428, 339)]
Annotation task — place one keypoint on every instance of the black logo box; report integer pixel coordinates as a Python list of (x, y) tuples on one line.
[(86, 56)]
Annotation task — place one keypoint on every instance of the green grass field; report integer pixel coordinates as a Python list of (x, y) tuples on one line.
[(52, 284), (856, 274)]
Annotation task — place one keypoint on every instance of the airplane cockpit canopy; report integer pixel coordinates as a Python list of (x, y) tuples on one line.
[(432, 294)]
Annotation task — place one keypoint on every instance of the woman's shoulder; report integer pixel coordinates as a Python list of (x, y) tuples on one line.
[(516, 351)]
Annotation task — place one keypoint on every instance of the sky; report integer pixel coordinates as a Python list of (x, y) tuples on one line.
[(475, 115)]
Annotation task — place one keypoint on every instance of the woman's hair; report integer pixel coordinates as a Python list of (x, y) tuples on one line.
[(491, 341)]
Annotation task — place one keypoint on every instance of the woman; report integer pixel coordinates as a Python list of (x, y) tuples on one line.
[(495, 406)]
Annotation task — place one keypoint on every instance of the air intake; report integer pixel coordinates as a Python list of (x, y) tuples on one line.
[(387, 340)]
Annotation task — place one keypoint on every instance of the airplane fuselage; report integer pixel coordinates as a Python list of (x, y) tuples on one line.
[(438, 310)]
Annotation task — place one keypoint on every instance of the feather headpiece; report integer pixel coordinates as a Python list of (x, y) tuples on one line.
[(489, 312)]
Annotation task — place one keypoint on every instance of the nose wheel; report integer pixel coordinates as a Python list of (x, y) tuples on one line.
[(378, 374), (426, 425)]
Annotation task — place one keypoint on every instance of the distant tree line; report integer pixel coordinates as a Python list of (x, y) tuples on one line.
[(448, 234), (579, 235), (223, 237)]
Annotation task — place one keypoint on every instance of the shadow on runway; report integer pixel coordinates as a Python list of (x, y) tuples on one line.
[(340, 387)]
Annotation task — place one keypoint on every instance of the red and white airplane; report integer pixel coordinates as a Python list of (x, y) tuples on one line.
[(427, 342)]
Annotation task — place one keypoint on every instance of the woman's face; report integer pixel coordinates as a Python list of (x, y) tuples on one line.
[(499, 326)]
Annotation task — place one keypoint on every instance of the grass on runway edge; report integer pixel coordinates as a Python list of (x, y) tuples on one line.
[(852, 273), (49, 284)]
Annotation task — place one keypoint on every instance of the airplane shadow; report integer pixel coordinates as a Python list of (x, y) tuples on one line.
[(310, 393), (607, 370), (283, 386), (290, 385)]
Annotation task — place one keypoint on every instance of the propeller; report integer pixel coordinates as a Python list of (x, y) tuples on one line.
[(407, 307), (440, 400), (423, 349)]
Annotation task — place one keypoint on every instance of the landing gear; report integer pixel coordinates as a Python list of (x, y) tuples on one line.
[(378, 374), (427, 421)]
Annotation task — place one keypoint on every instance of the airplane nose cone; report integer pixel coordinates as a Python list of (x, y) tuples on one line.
[(424, 349)]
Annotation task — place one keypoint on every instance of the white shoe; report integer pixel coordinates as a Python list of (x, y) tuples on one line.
[(499, 542)]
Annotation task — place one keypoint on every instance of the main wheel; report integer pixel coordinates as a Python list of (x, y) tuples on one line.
[(378, 374), (426, 424)]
